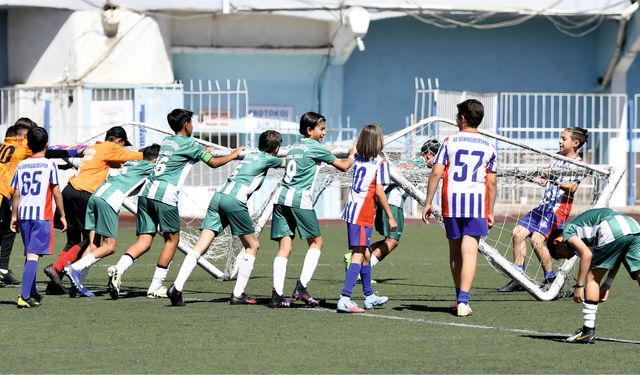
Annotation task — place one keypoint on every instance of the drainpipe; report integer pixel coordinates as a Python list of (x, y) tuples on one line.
[(625, 16)]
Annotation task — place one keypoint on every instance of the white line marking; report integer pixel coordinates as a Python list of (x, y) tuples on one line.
[(477, 326)]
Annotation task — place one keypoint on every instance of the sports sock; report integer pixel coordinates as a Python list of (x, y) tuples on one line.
[(309, 265), (374, 260), (34, 288), (67, 257), (519, 267), (28, 278), (279, 273), (351, 278), (84, 262), (159, 276), (589, 311), (190, 262), (550, 275), (124, 263), (463, 297), (245, 266), (365, 273)]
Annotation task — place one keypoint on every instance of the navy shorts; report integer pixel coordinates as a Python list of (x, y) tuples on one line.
[(37, 236), (456, 227), (358, 235), (541, 220)]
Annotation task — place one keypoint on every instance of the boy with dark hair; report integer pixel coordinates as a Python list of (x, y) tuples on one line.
[(158, 202), (97, 161), (603, 239), (294, 208), (35, 182), (469, 163), (228, 207), (102, 213)]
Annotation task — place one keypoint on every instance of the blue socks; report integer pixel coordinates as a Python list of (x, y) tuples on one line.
[(352, 277), (29, 278), (365, 273), (550, 275), (463, 297)]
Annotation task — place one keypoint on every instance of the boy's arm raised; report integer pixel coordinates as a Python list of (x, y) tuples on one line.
[(215, 162), (343, 165)]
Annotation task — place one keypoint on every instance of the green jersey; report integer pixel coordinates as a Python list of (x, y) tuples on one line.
[(249, 175), (303, 163), (124, 182), (175, 160), (397, 196), (600, 226)]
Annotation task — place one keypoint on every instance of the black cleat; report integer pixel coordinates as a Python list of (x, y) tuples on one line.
[(300, 293), (584, 335), (37, 298), (175, 296), (244, 299), (512, 286), (7, 279), (54, 289), (55, 285), (278, 301)]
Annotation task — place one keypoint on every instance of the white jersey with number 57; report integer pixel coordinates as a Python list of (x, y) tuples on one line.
[(467, 158)]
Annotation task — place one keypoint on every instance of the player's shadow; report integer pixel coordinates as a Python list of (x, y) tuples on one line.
[(423, 308), (556, 338), (8, 303)]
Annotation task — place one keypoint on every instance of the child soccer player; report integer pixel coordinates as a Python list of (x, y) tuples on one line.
[(229, 207), (35, 182), (158, 202), (602, 238), (97, 161), (102, 213), (370, 173), (396, 198), (552, 212), (469, 165), (294, 208)]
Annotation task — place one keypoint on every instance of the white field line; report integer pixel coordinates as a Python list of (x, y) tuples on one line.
[(476, 326)]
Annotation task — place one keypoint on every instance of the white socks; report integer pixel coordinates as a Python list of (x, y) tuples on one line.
[(279, 273), (374, 260), (84, 262), (589, 312), (309, 265), (190, 262), (159, 276), (124, 263), (245, 266)]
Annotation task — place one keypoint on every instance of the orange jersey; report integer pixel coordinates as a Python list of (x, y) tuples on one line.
[(96, 163), (12, 151)]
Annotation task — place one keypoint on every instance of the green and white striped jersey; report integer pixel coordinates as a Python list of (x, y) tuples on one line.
[(397, 196), (175, 160), (303, 163), (600, 226), (249, 175), (124, 182)]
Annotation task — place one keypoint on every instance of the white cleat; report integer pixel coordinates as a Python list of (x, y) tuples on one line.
[(463, 309), (159, 292)]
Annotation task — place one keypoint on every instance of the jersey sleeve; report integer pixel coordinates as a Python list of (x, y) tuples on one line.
[(492, 164), (14, 180), (443, 153), (273, 162), (53, 177), (121, 155), (383, 174), (323, 154), (195, 150)]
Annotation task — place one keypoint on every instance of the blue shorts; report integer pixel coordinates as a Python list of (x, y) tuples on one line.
[(542, 220), (37, 236), (456, 227), (358, 235)]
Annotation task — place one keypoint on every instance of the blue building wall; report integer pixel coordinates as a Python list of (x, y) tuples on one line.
[(534, 56)]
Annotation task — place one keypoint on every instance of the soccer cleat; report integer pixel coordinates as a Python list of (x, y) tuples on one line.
[(113, 285), (300, 293), (584, 335), (157, 292), (244, 299), (463, 309), (26, 303), (37, 298), (346, 305), (278, 301), (374, 301), (7, 279), (55, 285), (76, 280), (512, 286), (175, 296)]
